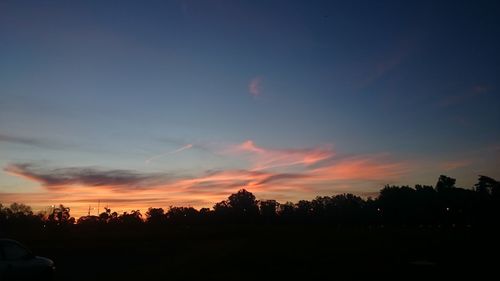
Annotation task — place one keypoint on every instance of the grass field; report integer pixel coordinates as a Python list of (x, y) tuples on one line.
[(248, 252)]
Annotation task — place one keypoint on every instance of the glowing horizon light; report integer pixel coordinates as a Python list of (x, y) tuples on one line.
[(277, 173)]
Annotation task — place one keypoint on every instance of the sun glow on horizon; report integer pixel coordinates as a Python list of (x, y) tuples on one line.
[(278, 173)]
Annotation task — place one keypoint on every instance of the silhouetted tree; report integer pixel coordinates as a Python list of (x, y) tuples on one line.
[(348, 208), (426, 206), (303, 210), (61, 216), (182, 215), (91, 221), (397, 204), (155, 216), (105, 217), (486, 185), (17, 209), (205, 215), (445, 183), (240, 206), (243, 203), (268, 209), (19, 216), (132, 218), (287, 212), (222, 210)]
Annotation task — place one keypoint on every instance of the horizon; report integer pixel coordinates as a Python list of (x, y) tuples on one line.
[(97, 208), (182, 103), (484, 190)]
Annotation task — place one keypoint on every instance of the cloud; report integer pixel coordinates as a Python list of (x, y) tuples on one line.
[(479, 89), (255, 87), (37, 142), (84, 176), (229, 180), (29, 141), (453, 165), (361, 168), (276, 178), (388, 63), (20, 140), (187, 146), (278, 173), (249, 145), (469, 94), (268, 158)]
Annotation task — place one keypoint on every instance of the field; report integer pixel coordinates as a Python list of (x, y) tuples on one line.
[(249, 252)]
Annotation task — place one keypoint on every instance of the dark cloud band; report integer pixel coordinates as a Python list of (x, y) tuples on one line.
[(88, 176)]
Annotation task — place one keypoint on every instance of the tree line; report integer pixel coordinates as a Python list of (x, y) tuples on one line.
[(441, 205)]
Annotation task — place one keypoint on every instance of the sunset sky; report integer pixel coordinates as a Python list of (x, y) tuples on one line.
[(142, 104)]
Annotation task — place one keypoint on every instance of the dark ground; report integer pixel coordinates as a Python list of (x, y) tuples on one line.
[(248, 252)]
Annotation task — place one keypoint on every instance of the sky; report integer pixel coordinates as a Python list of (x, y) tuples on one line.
[(137, 104)]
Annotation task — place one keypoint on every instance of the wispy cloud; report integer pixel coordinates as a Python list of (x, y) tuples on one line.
[(187, 146), (267, 158), (28, 141), (361, 168), (453, 165), (19, 140), (390, 61), (255, 87)]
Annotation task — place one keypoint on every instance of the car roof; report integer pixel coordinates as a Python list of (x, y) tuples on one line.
[(3, 240)]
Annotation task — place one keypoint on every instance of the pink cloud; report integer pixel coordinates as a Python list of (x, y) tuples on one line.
[(362, 168), (249, 145), (268, 158), (255, 87)]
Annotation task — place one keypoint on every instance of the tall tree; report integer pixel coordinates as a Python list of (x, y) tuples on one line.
[(243, 202), (445, 183)]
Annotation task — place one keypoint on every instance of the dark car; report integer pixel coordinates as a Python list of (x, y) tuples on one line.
[(18, 263)]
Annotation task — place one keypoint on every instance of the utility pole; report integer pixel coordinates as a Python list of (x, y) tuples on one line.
[(98, 203)]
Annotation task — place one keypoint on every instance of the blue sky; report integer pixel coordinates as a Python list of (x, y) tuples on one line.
[(404, 90)]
